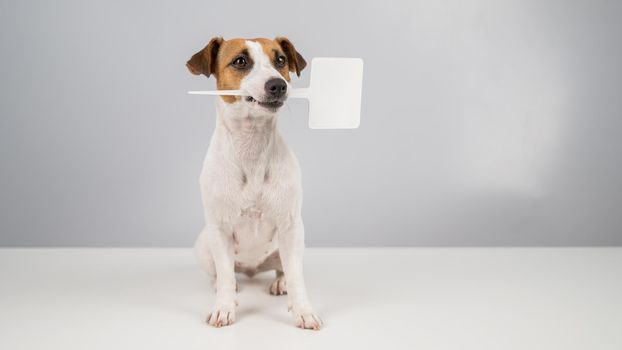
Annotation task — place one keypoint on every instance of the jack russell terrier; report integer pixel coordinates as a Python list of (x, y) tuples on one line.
[(250, 182)]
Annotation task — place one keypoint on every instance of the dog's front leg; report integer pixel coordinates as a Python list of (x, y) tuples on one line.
[(221, 246), (291, 249)]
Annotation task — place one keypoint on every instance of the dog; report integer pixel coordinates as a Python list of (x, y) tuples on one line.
[(250, 182)]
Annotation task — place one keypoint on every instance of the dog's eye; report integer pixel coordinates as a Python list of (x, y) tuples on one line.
[(281, 61), (240, 62)]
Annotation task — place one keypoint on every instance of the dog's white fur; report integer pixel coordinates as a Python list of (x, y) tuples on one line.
[(252, 196)]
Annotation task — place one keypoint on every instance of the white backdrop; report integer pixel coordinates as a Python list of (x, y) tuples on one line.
[(483, 122)]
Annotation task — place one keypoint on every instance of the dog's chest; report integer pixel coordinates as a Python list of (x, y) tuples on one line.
[(255, 226), (254, 195)]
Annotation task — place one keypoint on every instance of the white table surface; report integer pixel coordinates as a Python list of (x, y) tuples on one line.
[(423, 298)]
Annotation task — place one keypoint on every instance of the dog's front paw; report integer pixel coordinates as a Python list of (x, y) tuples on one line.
[(222, 315), (306, 319)]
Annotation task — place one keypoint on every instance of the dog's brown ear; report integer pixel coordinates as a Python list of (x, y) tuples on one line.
[(204, 61), (295, 60)]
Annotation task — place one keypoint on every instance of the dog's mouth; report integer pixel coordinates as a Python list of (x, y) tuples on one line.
[(270, 105)]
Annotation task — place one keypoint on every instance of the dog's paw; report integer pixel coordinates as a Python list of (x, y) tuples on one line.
[(306, 319), (222, 315), (278, 286)]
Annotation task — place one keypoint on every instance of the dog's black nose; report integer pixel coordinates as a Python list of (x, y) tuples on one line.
[(276, 87)]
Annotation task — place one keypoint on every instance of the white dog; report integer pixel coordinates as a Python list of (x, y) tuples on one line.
[(250, 183)]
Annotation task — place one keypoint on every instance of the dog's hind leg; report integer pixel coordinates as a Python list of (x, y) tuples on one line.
[(273, 262), (278, 286)]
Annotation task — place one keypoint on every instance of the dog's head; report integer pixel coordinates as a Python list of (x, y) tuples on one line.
[(258, 66)]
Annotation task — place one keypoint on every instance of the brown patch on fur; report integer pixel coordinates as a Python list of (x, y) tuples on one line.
[(204, 61), (271, 48), (228, 77), (295, 60), (216, 57)]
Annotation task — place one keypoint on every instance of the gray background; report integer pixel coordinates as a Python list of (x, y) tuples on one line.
[(483, 123)]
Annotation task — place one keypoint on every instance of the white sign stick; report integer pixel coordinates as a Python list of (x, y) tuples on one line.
[(334, 93)]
